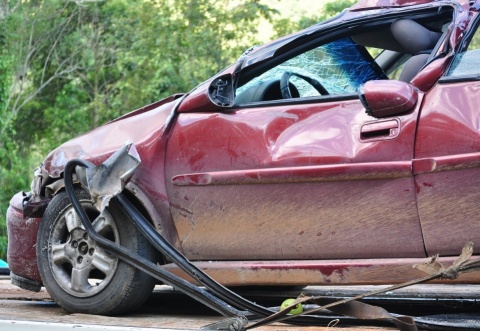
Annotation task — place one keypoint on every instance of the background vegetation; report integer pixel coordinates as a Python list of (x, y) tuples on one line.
[(67, 66)]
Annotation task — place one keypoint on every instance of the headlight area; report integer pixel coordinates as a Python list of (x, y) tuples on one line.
[(34, 203)]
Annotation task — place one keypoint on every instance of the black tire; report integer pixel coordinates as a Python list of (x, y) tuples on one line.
[(80, 276)]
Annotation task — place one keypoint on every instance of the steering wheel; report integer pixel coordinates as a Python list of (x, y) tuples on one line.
[(285, 81)]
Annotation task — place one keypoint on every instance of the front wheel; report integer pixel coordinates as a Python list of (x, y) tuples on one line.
[(81, 276)]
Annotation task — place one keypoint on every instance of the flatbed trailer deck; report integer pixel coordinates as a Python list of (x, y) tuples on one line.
[(168, 309)]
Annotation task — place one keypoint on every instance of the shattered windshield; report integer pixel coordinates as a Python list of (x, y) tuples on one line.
[(340, 67)]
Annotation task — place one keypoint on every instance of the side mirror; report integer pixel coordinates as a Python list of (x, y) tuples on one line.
[(218, 95), (384, 98), (221, 91)]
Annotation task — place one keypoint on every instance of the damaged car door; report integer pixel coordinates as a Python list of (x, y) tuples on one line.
[(298, 160)]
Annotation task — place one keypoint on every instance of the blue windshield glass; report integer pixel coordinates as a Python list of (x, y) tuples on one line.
[(351, 64), (340, 66)]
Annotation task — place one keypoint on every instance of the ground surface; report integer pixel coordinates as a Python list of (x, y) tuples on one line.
[(169, 309)]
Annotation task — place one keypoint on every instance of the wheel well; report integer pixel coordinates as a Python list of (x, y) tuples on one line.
[(140, 207), (133, 199)]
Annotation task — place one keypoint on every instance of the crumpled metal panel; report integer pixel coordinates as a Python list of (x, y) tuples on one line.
[(109, 178), (144, 130)]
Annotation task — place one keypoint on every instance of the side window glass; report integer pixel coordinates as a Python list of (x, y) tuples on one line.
[(467, 62), (395, 71), (338, 67)]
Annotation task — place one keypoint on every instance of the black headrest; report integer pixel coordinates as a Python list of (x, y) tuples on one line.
[(413, 37)]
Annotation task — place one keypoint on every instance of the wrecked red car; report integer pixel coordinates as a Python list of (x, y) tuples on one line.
[(341, 154)]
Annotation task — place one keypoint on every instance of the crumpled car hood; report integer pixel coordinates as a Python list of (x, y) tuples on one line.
[(143, 127)]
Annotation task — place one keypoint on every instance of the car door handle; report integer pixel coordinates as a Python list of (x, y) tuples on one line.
[(388, 129)]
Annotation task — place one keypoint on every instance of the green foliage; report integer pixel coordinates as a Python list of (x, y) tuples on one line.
[(7, 178), (285, 26), (68, 66), (177, 46)]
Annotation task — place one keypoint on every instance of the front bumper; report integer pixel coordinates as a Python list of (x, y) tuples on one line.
[(22, 241)]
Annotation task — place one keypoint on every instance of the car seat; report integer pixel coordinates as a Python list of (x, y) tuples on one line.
[(417, 41)]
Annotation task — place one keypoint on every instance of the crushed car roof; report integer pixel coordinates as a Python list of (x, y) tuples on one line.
[(369, 4), (357, 11)]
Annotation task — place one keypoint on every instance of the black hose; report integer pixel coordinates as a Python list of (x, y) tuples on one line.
[(222, 300), (157, 240), (140, 262)]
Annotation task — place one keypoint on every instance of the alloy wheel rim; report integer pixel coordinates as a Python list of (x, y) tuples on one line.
[(78, 264)]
